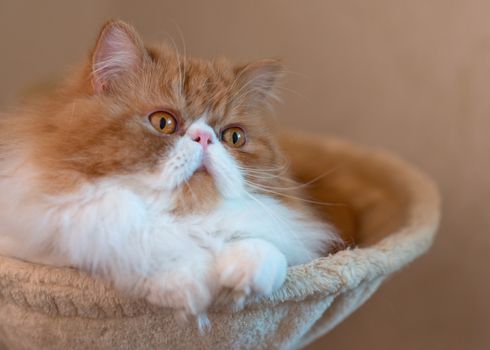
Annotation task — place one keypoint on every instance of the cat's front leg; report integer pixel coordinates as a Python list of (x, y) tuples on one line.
[(251, 266), (188, 287)]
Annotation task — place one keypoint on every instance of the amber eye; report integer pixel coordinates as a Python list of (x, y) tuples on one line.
[(234, 137), (163, 122)]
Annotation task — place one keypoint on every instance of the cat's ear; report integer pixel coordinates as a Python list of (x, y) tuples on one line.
[(119, 50), (257, 82)]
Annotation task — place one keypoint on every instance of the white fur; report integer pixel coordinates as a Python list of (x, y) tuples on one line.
[(121, 228)]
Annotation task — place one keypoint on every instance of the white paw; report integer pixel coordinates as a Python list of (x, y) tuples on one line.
[(251, 266), (183, 290)]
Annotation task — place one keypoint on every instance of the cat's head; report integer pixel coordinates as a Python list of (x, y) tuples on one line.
[(160, 121)]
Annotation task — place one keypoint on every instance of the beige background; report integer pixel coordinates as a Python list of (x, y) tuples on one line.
[(409, 76)]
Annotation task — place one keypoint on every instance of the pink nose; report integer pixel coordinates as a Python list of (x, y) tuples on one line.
[(203, 137)]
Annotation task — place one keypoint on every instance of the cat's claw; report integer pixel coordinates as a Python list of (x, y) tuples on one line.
[(184, 292), (239, 297), (203, 323)]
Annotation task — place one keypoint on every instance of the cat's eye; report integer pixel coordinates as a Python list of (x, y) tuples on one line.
[(163, 122), (234, 137)]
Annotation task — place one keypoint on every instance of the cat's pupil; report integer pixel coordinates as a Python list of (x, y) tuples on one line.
[(163, 122), (235, 137)]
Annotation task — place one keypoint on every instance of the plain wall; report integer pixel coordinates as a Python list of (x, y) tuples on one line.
[(409, 76)]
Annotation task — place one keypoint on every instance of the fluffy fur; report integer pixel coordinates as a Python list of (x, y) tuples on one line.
[(87, 182)]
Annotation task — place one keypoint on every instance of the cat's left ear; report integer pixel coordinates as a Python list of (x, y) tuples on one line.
[(257, 82), (119, 51)]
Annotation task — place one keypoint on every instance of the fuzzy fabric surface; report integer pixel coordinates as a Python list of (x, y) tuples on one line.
[(387, 209)]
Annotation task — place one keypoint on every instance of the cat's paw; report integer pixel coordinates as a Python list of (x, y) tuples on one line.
[(186, 291), (251, 266)]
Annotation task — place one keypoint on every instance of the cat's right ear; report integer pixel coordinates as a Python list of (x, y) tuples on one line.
[(119, 50)]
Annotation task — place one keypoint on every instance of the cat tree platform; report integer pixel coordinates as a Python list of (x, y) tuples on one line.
[(385, 207)]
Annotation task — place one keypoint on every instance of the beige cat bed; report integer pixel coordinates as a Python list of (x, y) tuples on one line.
[(385, 206)]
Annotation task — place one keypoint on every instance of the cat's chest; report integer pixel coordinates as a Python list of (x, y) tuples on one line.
[(229, 220)]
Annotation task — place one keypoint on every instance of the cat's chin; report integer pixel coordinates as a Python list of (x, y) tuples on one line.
[(199, 194)]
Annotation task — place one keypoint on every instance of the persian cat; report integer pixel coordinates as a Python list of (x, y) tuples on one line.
[(159, 173)]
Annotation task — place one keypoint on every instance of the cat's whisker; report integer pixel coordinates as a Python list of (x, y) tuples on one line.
[(261, 188), (184, 68), (288, 71), (268, 177), (180, 64), (70, 159), (265, 174), (294, 92), (280, 167), (306, 184), (288, 188), (284, 166)]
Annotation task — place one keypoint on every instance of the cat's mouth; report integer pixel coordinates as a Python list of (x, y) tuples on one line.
[(204, 165), (202, 169)]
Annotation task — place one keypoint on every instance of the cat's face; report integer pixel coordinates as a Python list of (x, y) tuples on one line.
[(159, 121)]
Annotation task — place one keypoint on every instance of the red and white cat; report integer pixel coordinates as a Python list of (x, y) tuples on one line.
[(159, 173)]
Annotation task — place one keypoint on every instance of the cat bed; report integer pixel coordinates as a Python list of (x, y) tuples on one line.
[(388, 210)]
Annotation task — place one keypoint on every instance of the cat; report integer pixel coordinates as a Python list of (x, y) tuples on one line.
[(159, 173)]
